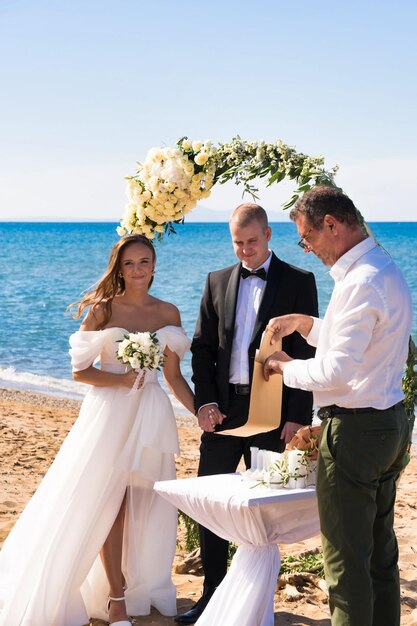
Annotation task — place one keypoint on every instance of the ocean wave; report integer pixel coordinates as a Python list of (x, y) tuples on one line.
[(26, 381), (59, 387)]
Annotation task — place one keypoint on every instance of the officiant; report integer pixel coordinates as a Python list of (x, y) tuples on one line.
[(235, 308), (362, 346)]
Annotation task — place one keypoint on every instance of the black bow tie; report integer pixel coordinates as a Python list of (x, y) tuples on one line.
[(260, 273)]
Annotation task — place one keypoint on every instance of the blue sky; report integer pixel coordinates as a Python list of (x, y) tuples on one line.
[(88, 87)]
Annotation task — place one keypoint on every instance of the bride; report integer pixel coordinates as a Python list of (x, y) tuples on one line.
[(95, 540)]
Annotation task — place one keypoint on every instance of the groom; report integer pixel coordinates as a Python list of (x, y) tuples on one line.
[(236, 305)]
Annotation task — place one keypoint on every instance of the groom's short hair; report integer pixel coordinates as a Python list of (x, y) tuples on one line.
[(247, 212)]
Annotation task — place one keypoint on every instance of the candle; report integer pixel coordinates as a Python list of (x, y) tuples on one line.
[(254, 458), (260, 465), (297, 469)]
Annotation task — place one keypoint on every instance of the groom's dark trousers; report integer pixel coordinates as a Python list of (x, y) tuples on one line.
[(288, 290)]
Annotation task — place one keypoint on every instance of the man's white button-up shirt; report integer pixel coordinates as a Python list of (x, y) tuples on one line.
[(249, 299), (362, 342)]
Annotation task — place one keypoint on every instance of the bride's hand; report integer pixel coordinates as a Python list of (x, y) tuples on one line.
[(209, 416), (129, 378)]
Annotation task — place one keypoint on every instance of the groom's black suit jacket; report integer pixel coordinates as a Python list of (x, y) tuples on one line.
[(288, 290)]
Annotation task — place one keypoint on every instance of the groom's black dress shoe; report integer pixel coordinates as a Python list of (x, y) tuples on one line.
[(191, 616)]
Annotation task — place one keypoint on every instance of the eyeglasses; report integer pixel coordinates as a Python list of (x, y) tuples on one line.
[(305, 246)]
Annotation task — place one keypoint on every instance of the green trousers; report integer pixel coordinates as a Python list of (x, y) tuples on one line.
[(360, 458)]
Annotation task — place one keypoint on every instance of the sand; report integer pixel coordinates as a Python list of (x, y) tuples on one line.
[(32, 428)]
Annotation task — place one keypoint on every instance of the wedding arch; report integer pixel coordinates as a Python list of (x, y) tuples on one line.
[(171, 181)]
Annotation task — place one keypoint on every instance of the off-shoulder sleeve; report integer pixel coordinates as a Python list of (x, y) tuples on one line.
[(86, 346), (175, 338)]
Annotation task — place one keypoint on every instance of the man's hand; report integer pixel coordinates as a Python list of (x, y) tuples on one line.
[(209, 416), (287, 324), (275, 364), (289, 430)]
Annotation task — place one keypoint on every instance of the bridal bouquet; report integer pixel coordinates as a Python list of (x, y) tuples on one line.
[(141, 351)]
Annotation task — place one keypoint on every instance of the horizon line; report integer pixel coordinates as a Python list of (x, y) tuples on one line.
[(95, 221)]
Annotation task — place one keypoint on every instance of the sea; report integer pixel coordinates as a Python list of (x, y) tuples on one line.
[(46, 266)]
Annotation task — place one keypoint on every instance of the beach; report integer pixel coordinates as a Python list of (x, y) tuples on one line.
[(33, 427)]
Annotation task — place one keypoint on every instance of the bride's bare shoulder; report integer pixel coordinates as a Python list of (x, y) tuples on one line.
[(168, 313), (95, 317)]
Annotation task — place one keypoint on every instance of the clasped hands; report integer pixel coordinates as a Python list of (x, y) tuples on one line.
[(209, 416)]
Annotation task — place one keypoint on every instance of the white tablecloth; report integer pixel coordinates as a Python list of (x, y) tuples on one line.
[(255, 518)]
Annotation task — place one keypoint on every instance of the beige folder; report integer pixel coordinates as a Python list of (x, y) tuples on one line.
[(265, 397)]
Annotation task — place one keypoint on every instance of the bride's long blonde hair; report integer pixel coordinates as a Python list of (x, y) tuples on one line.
[(111, 283)]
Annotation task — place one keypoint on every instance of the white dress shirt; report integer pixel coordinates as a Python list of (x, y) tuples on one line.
[(362, 342), (248, 301)]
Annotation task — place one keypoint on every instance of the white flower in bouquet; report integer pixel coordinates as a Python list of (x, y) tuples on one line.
[(141, 351)]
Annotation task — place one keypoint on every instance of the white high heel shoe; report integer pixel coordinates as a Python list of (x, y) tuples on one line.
[(122, 622)]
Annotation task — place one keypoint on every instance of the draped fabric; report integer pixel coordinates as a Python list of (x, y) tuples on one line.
[(50, 570), (256, 519)]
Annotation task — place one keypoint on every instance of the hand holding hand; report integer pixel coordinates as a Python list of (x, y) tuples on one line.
[(275, 364), (209, 416)]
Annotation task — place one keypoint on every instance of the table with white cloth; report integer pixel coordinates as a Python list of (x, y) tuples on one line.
[(256, 518)]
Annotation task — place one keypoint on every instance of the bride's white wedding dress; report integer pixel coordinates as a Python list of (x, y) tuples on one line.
[(50, 569)]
